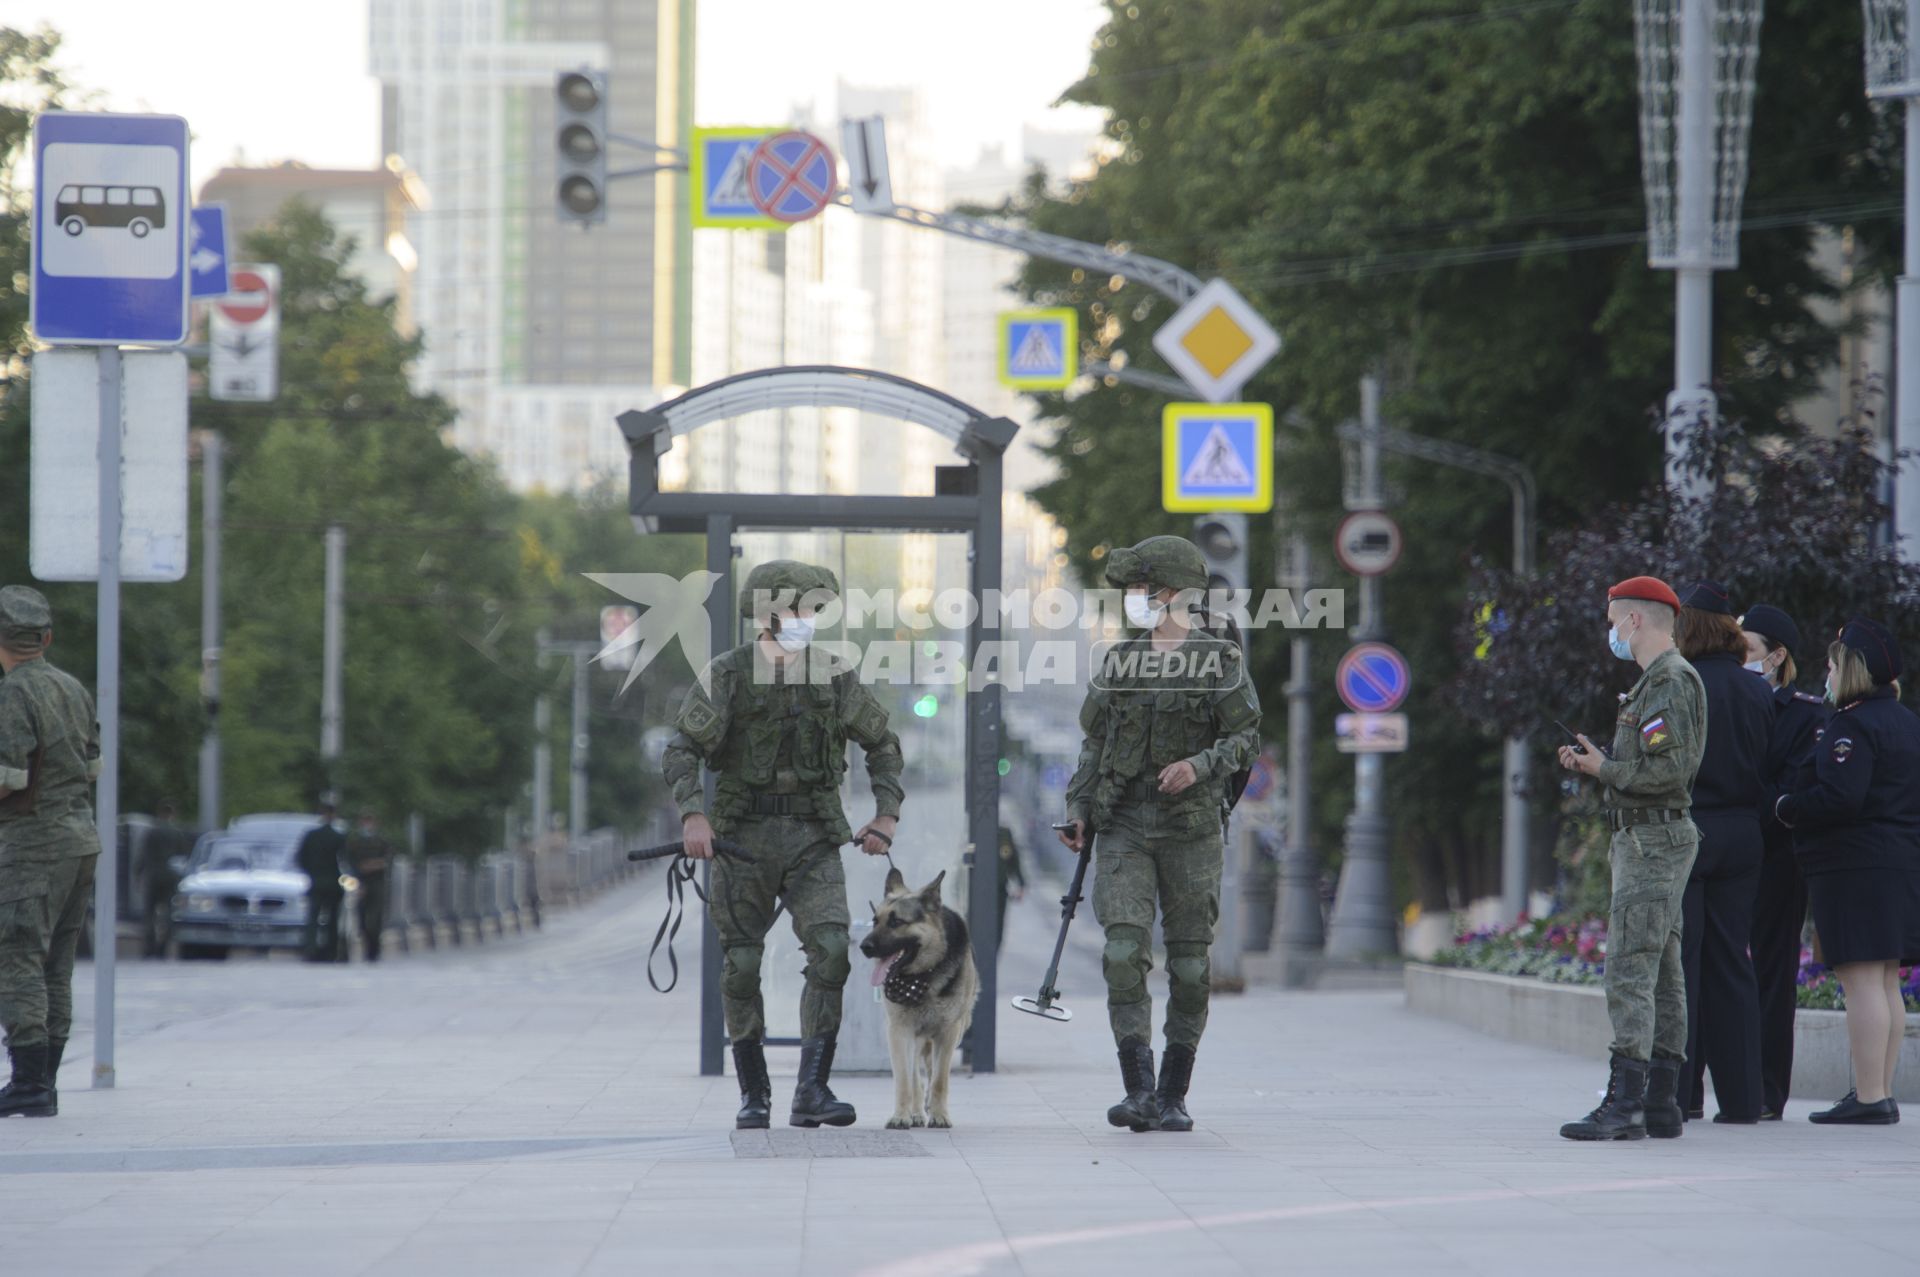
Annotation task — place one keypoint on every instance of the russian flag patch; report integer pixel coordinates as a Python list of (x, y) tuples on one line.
[(1654, 731)]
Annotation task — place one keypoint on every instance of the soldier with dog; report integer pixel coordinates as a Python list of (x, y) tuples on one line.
[(773, 724), (1170, 718)]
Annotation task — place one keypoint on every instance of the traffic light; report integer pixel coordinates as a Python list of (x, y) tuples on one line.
[(1222, 539), (580, 141)]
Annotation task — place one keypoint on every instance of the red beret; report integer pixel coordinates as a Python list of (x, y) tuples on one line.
[(1650, 588)]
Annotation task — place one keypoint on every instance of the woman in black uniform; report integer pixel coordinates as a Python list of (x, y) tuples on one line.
[(1780, 903), (1723, 1011), (1856, 829)]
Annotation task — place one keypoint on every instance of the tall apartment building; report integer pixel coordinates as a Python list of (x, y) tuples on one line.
[(539, 333)]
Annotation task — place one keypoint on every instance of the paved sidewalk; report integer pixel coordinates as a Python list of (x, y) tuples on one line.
[(531, 1107)]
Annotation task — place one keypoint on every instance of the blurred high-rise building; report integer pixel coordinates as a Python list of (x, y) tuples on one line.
[(539, 333)]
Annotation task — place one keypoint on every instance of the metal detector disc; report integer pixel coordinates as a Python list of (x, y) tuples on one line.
[(1032, 1007)]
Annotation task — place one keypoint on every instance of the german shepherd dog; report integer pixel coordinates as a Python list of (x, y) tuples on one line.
[(924, 964)]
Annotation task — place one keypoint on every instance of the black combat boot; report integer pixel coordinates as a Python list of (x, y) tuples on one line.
[(1622, 1113), (1140, 1111), (1176, 1071), (756, 1092), (30, 1094), (1664, 1119), (814, 1103)]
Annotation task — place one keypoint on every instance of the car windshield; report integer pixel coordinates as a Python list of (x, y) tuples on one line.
[(243, 851)]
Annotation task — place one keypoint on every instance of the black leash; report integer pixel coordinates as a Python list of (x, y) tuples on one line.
[(683, 873)]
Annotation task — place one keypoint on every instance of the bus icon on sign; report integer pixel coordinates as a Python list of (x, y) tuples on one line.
[(138, 209)]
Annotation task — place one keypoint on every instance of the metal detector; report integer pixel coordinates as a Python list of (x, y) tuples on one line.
[(1046, 1004)]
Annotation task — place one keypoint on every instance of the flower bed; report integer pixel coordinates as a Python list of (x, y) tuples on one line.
[(1566, 950)]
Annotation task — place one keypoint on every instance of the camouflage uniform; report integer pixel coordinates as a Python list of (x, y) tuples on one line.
[(49, 756), (1657, 743), (1137, 719), (778, 739)]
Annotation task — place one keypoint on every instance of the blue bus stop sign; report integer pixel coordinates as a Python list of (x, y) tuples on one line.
[(110, 218)]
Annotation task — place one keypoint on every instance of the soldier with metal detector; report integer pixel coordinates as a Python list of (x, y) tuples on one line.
[(1170, 719), (773, 724)]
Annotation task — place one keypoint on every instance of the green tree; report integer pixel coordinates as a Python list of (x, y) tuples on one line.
[(1446, 192)]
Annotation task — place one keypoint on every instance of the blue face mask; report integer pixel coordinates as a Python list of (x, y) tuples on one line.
[(1617, 645)]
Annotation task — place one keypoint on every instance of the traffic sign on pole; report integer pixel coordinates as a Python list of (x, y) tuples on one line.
[(718, 168), (1373, 678), (243, 334), (1217, 341), (1370, 733), (207, 251), (864, 142), (791, 176), (110, 217), (1216, 457), (1368, 542), (1040, 349), (63, 539)]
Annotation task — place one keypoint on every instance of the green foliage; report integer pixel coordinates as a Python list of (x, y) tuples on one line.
[(1447, 192)]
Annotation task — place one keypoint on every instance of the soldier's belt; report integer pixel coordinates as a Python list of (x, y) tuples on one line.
[(1146, 790), (780, 804), (1623, 819)]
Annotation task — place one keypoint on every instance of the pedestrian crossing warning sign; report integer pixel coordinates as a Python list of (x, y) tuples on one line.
[(1217, 457), (1040, 349), (718, 169)]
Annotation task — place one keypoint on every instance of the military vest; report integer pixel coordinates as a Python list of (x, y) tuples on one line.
[(782, 738), (1160, 710)]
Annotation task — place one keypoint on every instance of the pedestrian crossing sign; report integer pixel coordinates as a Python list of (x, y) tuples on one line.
[(1216, 457), (718, 169), (1040, 349)]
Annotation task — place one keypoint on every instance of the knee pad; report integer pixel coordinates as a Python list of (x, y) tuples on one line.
[(1125, 964), (740, 973), (1189, 976), (827, 961)]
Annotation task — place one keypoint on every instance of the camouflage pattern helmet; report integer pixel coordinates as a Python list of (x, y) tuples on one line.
[(1159, 563), (784, 582)]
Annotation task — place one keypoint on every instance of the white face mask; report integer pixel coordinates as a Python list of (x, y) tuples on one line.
[(1143, 612), (795, 632), (1758, 667)]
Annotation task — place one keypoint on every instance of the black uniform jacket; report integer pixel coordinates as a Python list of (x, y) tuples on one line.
[(1797, 720), (1740, 715), (1863, 809)]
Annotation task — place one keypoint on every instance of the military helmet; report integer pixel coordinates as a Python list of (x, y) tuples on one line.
[(786, 582), (1159, 563)]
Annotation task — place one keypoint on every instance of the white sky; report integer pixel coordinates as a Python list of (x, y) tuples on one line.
[(287, 79)]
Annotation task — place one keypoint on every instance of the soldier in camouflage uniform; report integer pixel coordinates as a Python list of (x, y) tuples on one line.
[(49, 755), (1169, 719), (1646, 783), (773, 725)]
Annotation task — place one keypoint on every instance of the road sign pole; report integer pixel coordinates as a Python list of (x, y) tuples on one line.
[(542, 752), (211, 465), (107, 705), (1362, 921), (1300, 932), (577, 789), (332, 655)]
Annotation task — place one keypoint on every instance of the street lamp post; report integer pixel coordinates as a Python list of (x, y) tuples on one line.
[(1893, 71)]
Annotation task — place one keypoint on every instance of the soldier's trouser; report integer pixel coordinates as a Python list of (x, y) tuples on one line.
[(1146, 851), (1646, 989), (323, 926), (38, 934), (796, 863)]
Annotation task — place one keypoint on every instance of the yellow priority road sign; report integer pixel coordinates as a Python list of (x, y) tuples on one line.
[(1217, 341), (1216, 457), (722, 199)]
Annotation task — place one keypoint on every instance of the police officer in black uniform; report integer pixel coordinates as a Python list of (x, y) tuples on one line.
[(1780, 901), (1857, 830), (1723, 1012)]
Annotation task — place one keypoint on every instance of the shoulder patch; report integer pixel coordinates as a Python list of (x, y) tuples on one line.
[(1842, 749)]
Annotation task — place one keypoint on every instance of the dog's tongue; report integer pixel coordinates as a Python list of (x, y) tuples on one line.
[(881, 968)]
